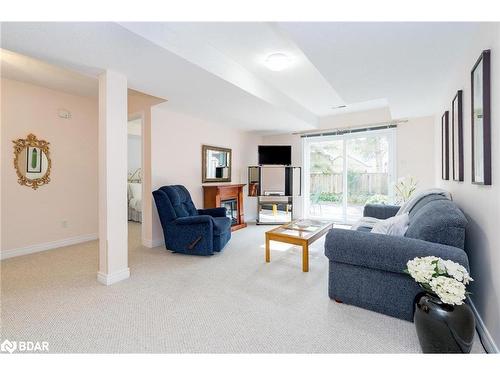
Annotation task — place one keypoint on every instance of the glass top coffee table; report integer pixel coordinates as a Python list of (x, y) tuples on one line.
[(301, 232)]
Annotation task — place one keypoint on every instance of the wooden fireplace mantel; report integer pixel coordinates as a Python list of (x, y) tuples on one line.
[(213, 195)]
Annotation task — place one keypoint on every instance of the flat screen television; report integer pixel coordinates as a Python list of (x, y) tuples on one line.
[(275, 155)]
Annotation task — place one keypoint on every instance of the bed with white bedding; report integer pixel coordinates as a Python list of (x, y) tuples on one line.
[(135, 196)]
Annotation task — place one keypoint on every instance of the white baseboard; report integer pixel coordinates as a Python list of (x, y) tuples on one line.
[(489, 344), (47, 246), (111, 278), (153, 243)]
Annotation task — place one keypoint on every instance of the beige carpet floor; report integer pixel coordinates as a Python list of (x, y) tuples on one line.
[(230, 302)]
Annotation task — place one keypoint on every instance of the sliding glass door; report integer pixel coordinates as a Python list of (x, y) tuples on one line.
[(344, 172)]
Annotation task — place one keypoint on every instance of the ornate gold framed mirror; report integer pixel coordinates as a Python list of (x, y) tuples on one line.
[(32, 161), (216, 164)]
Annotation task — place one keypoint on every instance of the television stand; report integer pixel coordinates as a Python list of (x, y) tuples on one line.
[(274, 209), (274, 187)]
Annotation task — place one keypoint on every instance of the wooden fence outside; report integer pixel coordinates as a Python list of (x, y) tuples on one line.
[(359, 183)]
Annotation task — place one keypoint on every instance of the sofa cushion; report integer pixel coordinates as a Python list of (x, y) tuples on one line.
[(424, 201), (221, 225), (439, 221), (380, 211), (383, 252), (364, 229)]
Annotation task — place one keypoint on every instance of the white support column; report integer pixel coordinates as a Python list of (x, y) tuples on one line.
[(113, 229)]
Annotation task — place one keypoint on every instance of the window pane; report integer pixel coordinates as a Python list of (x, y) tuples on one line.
[(326, 179)]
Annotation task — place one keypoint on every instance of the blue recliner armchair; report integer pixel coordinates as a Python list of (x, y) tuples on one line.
[(186, 229)]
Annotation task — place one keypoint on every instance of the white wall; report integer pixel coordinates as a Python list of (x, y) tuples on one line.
[(352, 119), (481, 204), (66, 208), (176, 141), (415, 151), (113, 227), (414, 145)]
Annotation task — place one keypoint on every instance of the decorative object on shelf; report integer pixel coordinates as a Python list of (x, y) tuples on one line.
[(481, 120), (274, 186), (216, 164), (444, 323), (32, 161), (231, 198), (457, 137), (404, 189), (253, 181), (445, 146)]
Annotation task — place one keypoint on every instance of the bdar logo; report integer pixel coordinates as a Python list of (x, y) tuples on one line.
[(8, 346)]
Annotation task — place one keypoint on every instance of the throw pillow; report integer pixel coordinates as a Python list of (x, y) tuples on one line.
[(394, 226)]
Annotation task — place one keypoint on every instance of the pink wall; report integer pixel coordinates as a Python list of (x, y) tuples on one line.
[(176, 141), (33, 217)]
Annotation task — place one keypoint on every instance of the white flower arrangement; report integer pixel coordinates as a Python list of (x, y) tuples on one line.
[(444, 278), (405, 188)]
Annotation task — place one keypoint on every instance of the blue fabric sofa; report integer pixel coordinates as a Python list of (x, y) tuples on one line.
[(186, 229), (366, 269)]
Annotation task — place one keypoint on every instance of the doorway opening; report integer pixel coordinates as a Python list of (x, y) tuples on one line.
[(135, 178), (344, 172)]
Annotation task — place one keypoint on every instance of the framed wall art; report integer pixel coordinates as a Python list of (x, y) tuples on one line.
[(445, 146), (481, 120), (457, 137)]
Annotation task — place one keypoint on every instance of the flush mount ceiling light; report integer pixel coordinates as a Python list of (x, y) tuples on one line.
[(277, 61)]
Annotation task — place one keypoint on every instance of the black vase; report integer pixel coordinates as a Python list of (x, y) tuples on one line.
[(443, 328)]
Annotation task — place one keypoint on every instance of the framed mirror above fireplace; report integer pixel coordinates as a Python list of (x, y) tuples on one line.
[(216, 164)]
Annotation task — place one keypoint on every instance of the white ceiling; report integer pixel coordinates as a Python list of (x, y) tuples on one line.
[(215, 70), (245, 45), (403, 63), (92, 47)]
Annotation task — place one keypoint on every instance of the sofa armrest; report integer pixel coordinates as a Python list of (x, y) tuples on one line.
[(384, 252), (380, 211), (214, 212), (190, 220)]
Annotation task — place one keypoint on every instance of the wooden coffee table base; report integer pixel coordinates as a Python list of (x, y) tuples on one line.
[(272, 235), (305, 251)]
